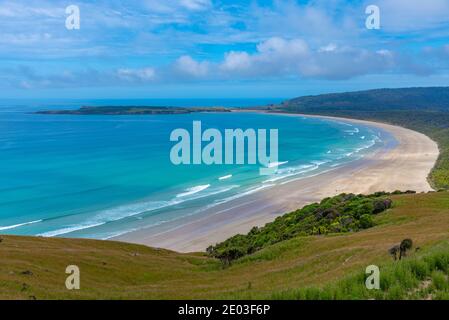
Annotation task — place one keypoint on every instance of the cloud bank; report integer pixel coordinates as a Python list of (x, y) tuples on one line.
[(153, 42)]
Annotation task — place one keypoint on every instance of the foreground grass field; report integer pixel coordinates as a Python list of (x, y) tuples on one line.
[(303, 267), (422, 276)]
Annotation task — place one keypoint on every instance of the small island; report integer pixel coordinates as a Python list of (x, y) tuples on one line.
[(134, 110)]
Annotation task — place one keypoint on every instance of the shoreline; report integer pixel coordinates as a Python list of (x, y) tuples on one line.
[(403, 167)]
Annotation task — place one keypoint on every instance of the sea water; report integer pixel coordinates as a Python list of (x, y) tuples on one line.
[(102, 176)]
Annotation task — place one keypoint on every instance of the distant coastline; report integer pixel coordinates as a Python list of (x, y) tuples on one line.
[(133, 110)]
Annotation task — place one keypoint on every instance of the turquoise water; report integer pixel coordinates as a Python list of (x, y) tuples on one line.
[(102, 176)]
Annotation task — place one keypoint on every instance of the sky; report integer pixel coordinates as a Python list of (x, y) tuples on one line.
[(219, 48)]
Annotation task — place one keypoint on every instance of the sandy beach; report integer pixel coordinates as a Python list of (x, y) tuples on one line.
[(402, 167)]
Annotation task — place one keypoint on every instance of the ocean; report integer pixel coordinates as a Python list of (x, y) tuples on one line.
[(103, 176)]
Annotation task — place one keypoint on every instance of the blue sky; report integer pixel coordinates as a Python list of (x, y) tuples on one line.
[(221, 49)]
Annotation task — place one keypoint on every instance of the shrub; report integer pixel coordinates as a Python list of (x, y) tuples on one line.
[(366, 221), (342, 213), (439, 281), (419, 268)]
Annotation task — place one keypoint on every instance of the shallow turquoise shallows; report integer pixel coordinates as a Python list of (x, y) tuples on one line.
[(102, 176)]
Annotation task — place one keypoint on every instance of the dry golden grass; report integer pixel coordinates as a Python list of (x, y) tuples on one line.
[(112, 270)]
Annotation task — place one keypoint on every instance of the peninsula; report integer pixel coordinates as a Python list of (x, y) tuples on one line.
[(133, 110)]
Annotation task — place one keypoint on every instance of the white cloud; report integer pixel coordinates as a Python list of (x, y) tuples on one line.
[(284, 47), (25, 85), (278, 57), (236, 61), (25, 38), (285, 39), (15, 9), (384, 52), (196, 5), (315, 21), (413, 15), (188, 66), (329, 48), (273, 57), (144, 74), (173, 6)]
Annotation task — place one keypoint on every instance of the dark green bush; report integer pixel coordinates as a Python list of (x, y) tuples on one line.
[(366, 221), (342, 213)]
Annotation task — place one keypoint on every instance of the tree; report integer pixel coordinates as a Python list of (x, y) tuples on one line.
[(405, 245), (393, 251), (381, 205), (230, 254), (402, 249)]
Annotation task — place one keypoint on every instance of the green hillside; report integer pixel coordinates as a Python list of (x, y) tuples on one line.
[(431, 98), (34, 267)]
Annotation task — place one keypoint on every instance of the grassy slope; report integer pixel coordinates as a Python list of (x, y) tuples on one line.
[(420, 276), (120, 271)]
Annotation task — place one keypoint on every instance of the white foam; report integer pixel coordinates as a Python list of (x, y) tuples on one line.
[(68, 230), (276, 164), (111, 215), (229, 176), (352, 132), (118, 233), (125, 211), (343, 123), (293, 171), (320, 162), (130, 210), (193, 190), (217, 202), (19, 225), (251, 191), (216, 191)]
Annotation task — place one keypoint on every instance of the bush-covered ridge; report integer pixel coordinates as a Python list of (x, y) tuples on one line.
[(416, 99), (342, 213), (420, 109)]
